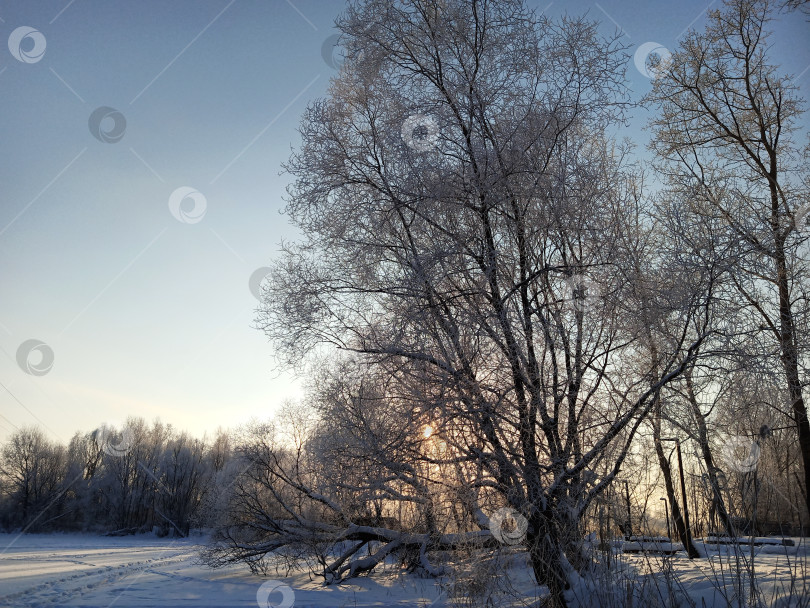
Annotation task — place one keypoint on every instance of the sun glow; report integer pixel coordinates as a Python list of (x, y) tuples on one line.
[(428, 431)]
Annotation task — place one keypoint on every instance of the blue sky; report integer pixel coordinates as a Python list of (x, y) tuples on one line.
[(146, 314)]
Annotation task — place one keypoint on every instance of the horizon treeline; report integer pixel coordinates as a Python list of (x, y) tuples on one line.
[(153, 477), (139, 478)]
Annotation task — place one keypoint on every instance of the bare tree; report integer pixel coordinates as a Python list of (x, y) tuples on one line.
[(119, 481), (797, 5), (182, 482), (726, 129), (463, 214), (701, 435), (33, 472)]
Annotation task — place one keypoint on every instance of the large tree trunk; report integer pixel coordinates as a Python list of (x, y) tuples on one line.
[(546, 557)]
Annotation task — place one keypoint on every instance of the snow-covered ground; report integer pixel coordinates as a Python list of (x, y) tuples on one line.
[(82, 570), (720, 578)]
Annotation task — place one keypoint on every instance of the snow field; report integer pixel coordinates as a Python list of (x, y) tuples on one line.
[(92, 571), (80, 570)]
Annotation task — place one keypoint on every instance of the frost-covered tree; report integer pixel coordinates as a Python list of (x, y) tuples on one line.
[(32, 469), (465, 219), (116, 480), (728, 142)]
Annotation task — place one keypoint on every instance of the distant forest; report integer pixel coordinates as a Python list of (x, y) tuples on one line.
[(135, 479)]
